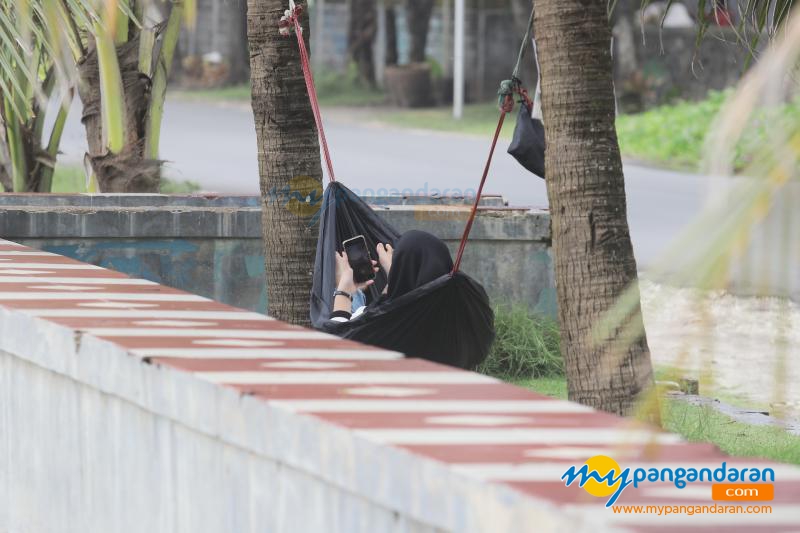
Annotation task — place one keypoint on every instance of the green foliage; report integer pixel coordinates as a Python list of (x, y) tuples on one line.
[(671, 135), (437, 71), (345, 88), (526, 346), (674, 135)]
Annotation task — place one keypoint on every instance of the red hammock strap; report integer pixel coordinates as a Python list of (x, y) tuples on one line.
[(291, 18), (508, 105)]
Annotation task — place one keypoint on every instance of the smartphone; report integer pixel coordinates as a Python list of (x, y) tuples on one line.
[(359, 259)]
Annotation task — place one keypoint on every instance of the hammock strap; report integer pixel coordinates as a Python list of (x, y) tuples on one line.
[(291, 19), (523, 47), (506, 107)]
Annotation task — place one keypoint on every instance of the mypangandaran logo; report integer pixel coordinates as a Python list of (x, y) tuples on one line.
[(601, 476)]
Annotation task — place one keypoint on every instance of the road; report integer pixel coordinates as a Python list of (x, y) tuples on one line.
[(214, 145)]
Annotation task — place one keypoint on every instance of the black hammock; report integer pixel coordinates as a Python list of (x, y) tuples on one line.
[(448, 320)]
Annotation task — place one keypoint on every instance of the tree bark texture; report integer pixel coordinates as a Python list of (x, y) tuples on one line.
[(594, 262), (288, 160), (419, 18), (129, 170), (361, 32)]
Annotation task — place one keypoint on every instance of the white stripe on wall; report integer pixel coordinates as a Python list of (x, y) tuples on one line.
[(517, 436), (215, 333), (153, 297), (266, 353), (277, 378), (53, 266), (433, 406), (28, 253), (155, 313), (75, 280)]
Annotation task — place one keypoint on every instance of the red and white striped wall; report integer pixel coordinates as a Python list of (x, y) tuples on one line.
[(510, 443)]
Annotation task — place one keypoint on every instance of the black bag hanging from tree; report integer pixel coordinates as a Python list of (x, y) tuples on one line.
[(528, 144)]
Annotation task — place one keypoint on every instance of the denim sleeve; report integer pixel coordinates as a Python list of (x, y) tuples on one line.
[(359, 300)]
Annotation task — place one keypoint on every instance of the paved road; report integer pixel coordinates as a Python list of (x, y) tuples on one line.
[(214, 145)]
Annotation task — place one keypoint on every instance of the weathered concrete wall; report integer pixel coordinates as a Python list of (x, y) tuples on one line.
[(213, 246)]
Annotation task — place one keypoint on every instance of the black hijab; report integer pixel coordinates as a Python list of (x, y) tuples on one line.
[(418, 258)]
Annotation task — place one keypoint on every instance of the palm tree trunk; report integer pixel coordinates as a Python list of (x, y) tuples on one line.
[(288, 160), (594, 262), (128, 170)]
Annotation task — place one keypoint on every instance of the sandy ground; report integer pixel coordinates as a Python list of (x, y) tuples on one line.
[(749, 347)]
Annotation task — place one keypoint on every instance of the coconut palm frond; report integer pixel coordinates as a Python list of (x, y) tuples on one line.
[(756, 18)]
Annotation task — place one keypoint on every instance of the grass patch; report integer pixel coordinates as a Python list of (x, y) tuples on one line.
[(478, 119), (526, 346), (334, 89), (231, 93), (68, 179), (71, 179), (555, 386), (705, 424)]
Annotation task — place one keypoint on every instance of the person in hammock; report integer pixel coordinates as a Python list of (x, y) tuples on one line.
[(418, 258)]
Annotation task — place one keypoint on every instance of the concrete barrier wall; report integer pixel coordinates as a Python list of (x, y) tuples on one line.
[(128, 406), (213, 246)]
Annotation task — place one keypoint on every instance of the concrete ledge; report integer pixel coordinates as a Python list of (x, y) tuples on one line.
[(213, 246), (129, 406)]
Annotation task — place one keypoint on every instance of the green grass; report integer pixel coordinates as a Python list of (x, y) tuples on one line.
[(71, 179), (68, 179), (525, 346), (703, 424), (334, 89), (555, 386), (478, 119)]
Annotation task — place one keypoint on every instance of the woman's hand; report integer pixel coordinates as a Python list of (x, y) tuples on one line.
[(385, 252), (344, 275)]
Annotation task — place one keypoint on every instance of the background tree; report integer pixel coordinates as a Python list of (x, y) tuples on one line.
[(288, 160), (594, 262), (240, 60), (361, 31), (391, 33), (418, 13)]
